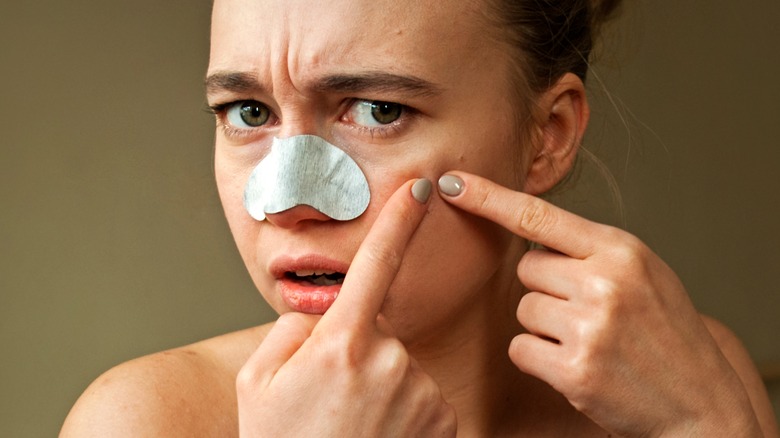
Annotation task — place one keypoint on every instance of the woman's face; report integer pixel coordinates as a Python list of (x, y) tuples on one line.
[(313, 67)]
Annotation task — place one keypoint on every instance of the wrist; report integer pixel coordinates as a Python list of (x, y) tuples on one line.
[(732, 417)]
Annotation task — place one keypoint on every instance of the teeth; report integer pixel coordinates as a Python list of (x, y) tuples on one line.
[(312, 273), (319, 278)]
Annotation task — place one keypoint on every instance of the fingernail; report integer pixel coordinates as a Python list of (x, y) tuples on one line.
[(421, 190), (450, 185)]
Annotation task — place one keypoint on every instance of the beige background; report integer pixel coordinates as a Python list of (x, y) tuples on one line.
[(112, 242)]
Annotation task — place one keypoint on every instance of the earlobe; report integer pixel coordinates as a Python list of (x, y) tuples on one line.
[(564, 114)]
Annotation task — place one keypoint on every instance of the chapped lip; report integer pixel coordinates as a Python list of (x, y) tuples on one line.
[(310, 262), (303, 296)]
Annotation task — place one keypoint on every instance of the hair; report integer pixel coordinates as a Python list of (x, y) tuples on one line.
[(547, 39), (551, 37)]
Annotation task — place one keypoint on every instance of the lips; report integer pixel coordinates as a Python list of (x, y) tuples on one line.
[(310, 283)]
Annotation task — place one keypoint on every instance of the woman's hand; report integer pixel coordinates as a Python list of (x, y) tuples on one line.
[(610, 326), (345, 374)]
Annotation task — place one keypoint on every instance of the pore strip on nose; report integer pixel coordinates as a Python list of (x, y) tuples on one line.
[(307, 170)]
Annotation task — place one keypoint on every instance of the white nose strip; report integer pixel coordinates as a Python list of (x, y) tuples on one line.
[(307, 170)]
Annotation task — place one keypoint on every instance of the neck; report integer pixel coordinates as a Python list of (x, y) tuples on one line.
[(470, 361)]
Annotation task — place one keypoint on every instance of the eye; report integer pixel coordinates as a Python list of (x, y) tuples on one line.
[(248, 114), (375, 113)]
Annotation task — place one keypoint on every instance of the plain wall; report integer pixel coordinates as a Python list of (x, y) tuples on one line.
[(113, 243)]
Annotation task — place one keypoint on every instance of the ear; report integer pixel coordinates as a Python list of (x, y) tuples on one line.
[(563, 115)]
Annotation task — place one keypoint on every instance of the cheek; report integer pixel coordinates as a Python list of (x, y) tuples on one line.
[(229, 185), (455, 260), (231, 179), (452, 265)]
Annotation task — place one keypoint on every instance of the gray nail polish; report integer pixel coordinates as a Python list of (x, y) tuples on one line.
[(450, 185), (421, 190)]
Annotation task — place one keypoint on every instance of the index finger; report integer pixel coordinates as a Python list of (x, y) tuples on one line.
[(526, 216), (379, 257)]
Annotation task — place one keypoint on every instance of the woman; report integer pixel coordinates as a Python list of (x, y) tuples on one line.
[(426, 290)]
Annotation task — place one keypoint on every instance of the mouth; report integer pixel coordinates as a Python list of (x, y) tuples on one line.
[(308, 284), (316, 278)]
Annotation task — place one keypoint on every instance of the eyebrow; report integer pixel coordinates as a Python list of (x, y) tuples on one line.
[(377, 82), (239, 82)]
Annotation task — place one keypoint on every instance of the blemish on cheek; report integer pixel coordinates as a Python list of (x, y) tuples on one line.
[(307, 170)]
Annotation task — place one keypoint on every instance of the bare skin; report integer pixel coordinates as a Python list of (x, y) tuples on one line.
[(191, 391), (195, 385), (444, 324)]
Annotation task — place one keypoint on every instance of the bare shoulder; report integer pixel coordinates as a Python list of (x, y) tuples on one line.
[(187, 391), (740, 360)]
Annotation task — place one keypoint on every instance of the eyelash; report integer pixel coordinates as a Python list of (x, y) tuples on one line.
[(232, 132), (408, 114)]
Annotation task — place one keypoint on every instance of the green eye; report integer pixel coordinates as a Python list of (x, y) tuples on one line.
[(248, 114), (373, 113)]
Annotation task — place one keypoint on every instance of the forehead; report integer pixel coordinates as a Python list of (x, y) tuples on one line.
[(307, 37)]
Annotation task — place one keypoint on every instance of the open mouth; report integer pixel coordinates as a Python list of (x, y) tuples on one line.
[(317, 278)]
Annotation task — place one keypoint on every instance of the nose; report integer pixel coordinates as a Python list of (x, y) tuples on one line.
[(299, 119), (302, 213), (296, 216), (305, 178)]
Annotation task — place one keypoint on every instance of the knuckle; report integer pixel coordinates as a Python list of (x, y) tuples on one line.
[(612, 233), (425, 388), (435, 416), (629, 251), (246, 381), (428, 398), (604, 291), (448, 424), (582, 378), (393, 361), (535, 218), (341, 351), (427, 392), (483, 199), (634, 244), (609, 305)]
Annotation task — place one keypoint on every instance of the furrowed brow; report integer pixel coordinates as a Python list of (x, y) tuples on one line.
[(379, 82), (237, 82)]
